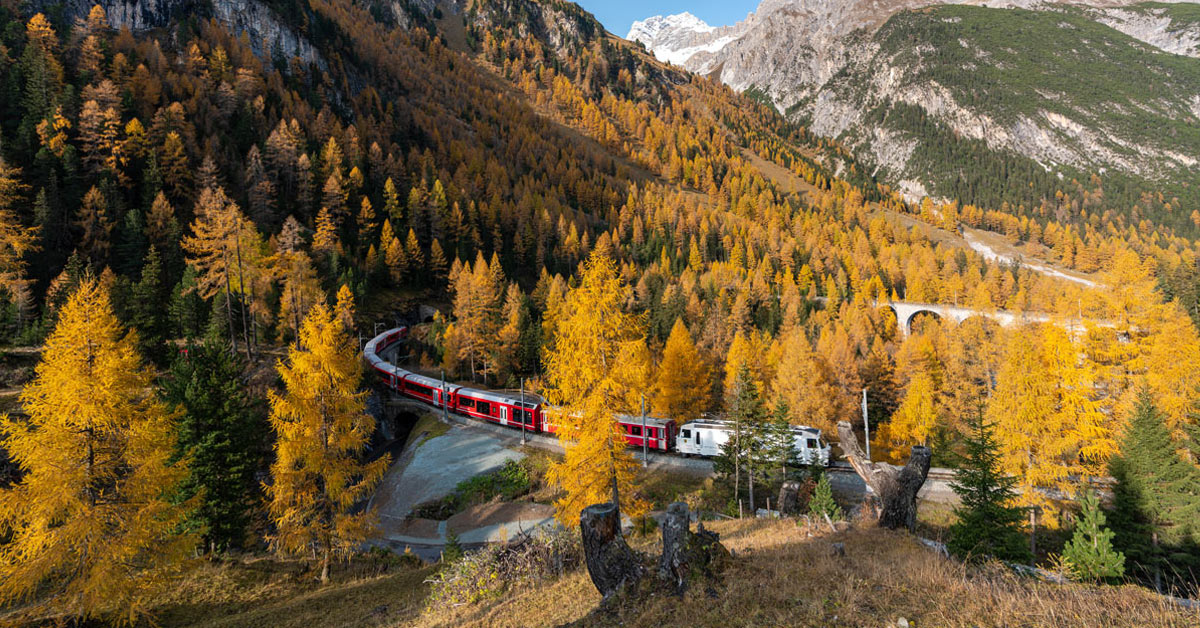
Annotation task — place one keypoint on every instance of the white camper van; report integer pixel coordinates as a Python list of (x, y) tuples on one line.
[(706, 437)]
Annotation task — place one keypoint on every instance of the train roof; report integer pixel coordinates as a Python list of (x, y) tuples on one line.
[(651, 421), (531, 400), (424, 380), (713, 424)]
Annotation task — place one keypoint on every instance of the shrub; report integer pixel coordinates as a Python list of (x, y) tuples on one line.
[(486, 573)]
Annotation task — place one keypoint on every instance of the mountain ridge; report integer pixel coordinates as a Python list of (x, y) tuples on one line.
[(828, 64)]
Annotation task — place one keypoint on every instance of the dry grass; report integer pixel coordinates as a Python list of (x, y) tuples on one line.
[(269, 592), (783, 575)]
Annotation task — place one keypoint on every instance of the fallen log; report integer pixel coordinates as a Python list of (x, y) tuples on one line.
[(895, 487)]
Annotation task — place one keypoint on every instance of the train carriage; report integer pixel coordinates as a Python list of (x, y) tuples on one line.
[(707, 437), (704, 437), (427, 389), (503, 408), (658, 434)]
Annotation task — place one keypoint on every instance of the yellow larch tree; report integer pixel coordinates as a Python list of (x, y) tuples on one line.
[(344, 306), (597, 365), (15, 239), (918, 414), (325, 238), (803, 383), (224, 247), (321, 429), (680, 390), (1049, 427), (751, 349), (92, 527), (477, 292)]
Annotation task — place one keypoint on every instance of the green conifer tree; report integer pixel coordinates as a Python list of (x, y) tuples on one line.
[(1090, 554), (988, 524), (741, 455), (222, 432), (1156, 501), (822, 503), (149, 315)]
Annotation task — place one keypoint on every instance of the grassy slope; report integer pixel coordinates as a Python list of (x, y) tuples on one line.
[(782, 576), (1061, 62), (1018, 63)]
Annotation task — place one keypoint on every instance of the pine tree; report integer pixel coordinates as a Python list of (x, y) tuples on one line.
[(222, 434), (743, 451), (988, 522), (321, 428), (149, 316), (1156, 501), (597, 364), (1089, 554), (822, 504), (92, 529)]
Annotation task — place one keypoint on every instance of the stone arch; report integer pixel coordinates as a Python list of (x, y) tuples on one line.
[(912, 318)]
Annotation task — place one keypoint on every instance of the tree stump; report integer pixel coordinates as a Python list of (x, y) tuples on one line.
[(673, 565), (789, 498), (610, 562), (896, 487)]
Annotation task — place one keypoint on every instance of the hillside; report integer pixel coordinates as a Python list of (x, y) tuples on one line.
[(885, 576), (1035, 99), (254, 187)]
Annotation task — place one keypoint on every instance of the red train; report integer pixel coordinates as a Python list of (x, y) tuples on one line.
[(505, 408)]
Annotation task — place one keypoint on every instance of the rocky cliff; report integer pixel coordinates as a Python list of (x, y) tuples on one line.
[(1067, 85)]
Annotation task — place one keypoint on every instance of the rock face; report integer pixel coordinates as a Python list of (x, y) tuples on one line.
[(268, 34), (841, 65)]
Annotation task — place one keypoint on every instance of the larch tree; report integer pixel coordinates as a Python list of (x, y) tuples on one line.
[(16, 240), (803, 383), (321, 429), (95, 227), (596, 365), (477, 293), (92, 524), (682, 378), (223, 247)]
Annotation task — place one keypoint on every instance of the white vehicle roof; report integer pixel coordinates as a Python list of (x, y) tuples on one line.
[(713, 424)]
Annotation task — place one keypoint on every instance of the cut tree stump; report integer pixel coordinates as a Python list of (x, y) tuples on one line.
[(673, 564), (896, 487), (789, 498), (611, 563)]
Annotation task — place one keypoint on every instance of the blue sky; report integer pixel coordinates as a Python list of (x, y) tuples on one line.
[(617, 15)]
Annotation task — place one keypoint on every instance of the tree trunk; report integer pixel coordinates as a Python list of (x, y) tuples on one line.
[(750, 477), (896, 487), (789, 498), (673, 565), (610, 562), (325, 567)]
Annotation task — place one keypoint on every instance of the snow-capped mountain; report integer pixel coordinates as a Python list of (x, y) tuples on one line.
[(840, 66), (677, 39)]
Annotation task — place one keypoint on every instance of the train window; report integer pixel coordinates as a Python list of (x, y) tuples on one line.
[(483, 407), (466, 402), (812, 443), (685, 434), (636, 430)]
